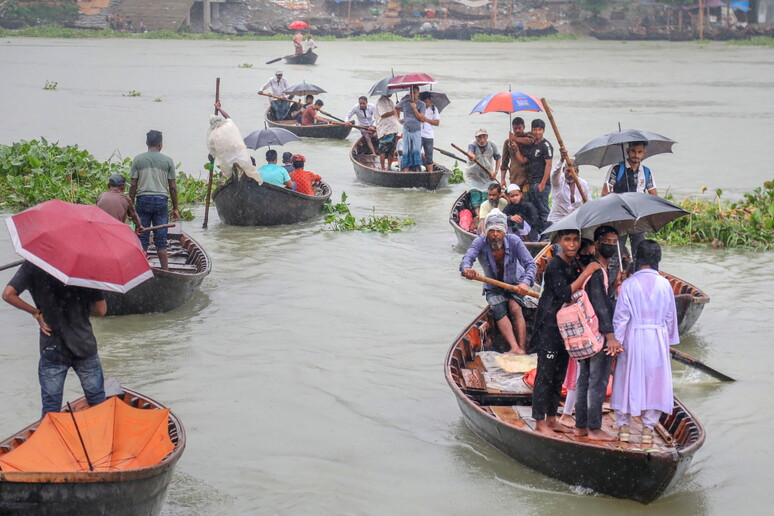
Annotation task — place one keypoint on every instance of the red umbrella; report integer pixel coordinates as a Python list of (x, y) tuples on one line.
[(80, 245), (410, 79), (298, 24)]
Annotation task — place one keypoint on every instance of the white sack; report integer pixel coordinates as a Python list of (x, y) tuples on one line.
[(225, 143)]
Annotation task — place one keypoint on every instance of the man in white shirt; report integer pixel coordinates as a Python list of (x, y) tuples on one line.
[(364, 114), (432, 119), (387, 127), (566, 197), (278, 85)]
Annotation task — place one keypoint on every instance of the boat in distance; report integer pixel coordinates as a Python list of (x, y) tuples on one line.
[(332, 131)]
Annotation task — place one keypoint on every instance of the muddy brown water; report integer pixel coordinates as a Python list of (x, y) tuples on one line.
[(308, 369)]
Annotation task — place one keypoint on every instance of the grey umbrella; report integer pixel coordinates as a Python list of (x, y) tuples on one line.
[(632, 212), (304, 89), (440, 99), (608, 149), (270, 136), (380, 88)]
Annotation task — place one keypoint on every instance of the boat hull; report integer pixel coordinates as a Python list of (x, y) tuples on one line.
[(168, 289), (434, 180), (334, 132), (243, 202), (307, 58)]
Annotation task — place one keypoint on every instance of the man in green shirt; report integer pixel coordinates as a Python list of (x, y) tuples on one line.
[(153, 184)]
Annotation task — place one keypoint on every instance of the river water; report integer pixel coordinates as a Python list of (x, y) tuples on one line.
[(308, 369)]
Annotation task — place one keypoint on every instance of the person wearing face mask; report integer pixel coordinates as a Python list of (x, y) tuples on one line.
[(504, 257), (566, 195), (594, 372)]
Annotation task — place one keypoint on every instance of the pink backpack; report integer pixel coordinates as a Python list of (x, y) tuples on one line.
[(579, 326)]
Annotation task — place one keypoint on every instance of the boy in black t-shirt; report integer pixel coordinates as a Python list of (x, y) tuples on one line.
[(522, 217), (539, 154)]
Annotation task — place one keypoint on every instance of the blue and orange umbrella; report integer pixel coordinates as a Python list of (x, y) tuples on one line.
[(508, 102)]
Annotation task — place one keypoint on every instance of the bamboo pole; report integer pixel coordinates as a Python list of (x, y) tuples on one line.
[(212, 165), (563, 150)]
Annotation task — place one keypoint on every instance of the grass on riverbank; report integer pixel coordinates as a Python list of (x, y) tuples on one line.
[(758, 41), (56, 31), (35, 171), (748, 223)]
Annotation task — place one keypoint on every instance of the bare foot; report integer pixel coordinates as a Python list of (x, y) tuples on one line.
[(517, 351), (567, 420), (600, 435), (541, 427), (581, 432), (556, 426)]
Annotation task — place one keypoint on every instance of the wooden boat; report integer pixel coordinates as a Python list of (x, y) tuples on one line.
[(243, 202), (119, 492), (168, 289), (689, 300), (622, 470), (307, 58), (368, 170), (332, 131), (465, 237)]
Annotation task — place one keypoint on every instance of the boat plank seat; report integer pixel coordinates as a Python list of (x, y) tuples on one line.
[(474, 379)]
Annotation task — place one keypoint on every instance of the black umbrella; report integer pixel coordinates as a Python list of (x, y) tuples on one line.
[(304, 89), (270, 136), (380, 88), (608, 149), (440, 99)]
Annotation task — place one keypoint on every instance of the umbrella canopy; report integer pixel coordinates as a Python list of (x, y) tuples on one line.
[(270, 136), (408, 80), (298, 24), (80, 245), (440, 99), (304, 89), (508, 102), (115, 436), (380, 88), (632, 212), (607, 149)]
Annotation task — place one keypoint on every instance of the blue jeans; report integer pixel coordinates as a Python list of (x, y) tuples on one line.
[(153, 211), (55, 361), (540, 201)]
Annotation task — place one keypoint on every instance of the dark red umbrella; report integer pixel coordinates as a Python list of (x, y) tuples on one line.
[(408, 80), (298, 24), (80, 245)]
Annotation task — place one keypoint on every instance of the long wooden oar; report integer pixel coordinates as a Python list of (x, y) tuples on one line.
[(562, 149), (333, 117), (277, 59), (697, 364), (506, 286), (450, 154), (11, 265), (353, 125), (154, 228), (212, 164), (277, 97), (494, 178)]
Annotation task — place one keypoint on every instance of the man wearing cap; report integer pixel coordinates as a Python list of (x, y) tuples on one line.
[(504, 257), (478, 179), (566, 195), (153, 186), (522, 216), (278, 85), (305, 180), (364, 113), (116, 203)]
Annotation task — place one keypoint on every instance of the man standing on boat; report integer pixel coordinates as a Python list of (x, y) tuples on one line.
[(278, 85), (566, 192), (116, 203), (413, 117), (66, 337), (504, 257), (478, 178), (622, 179), (153, 186), (364, 113), (514, 162), (387, 126)]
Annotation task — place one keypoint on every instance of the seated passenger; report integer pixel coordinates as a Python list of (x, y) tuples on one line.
[(494, 200), (297, 110), (287, 162), (275, 174), (310, 116), (306, 181), (522, 216)]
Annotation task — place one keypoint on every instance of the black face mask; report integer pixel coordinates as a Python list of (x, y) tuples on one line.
[(585, 259), (608, 250)]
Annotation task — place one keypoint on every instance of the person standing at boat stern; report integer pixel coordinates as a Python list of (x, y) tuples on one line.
[(432, 119), (364, 114), (278, 85), (413, 116), (645, 323), (562, 278), (504, 257), (66, 337), (595, 371), (477, 178), (387, 127), (153, 186)]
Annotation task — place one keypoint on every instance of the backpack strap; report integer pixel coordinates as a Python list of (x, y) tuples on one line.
[(622, 170), (647, 177)]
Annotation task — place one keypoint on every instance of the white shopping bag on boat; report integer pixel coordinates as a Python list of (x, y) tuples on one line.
[(225, 143)]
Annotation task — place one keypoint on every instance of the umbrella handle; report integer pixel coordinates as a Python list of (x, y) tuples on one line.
[(562, 148)]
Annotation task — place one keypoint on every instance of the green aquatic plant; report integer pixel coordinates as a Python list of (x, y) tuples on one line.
[(246, 65), (157, 99), (339, 218), (757, 41), (456, 176), (50, 85), (132, 93), (747, 223)]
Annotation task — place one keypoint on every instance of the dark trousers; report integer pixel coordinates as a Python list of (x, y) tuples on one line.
[(551, 368), (591, 390), (540, 201)]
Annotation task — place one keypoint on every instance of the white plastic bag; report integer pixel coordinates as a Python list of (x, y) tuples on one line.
[(225, 143)]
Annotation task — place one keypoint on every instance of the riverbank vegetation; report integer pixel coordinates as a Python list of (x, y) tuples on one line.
[(35, 171), (748, 223), (757, 41), (338, 217)]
